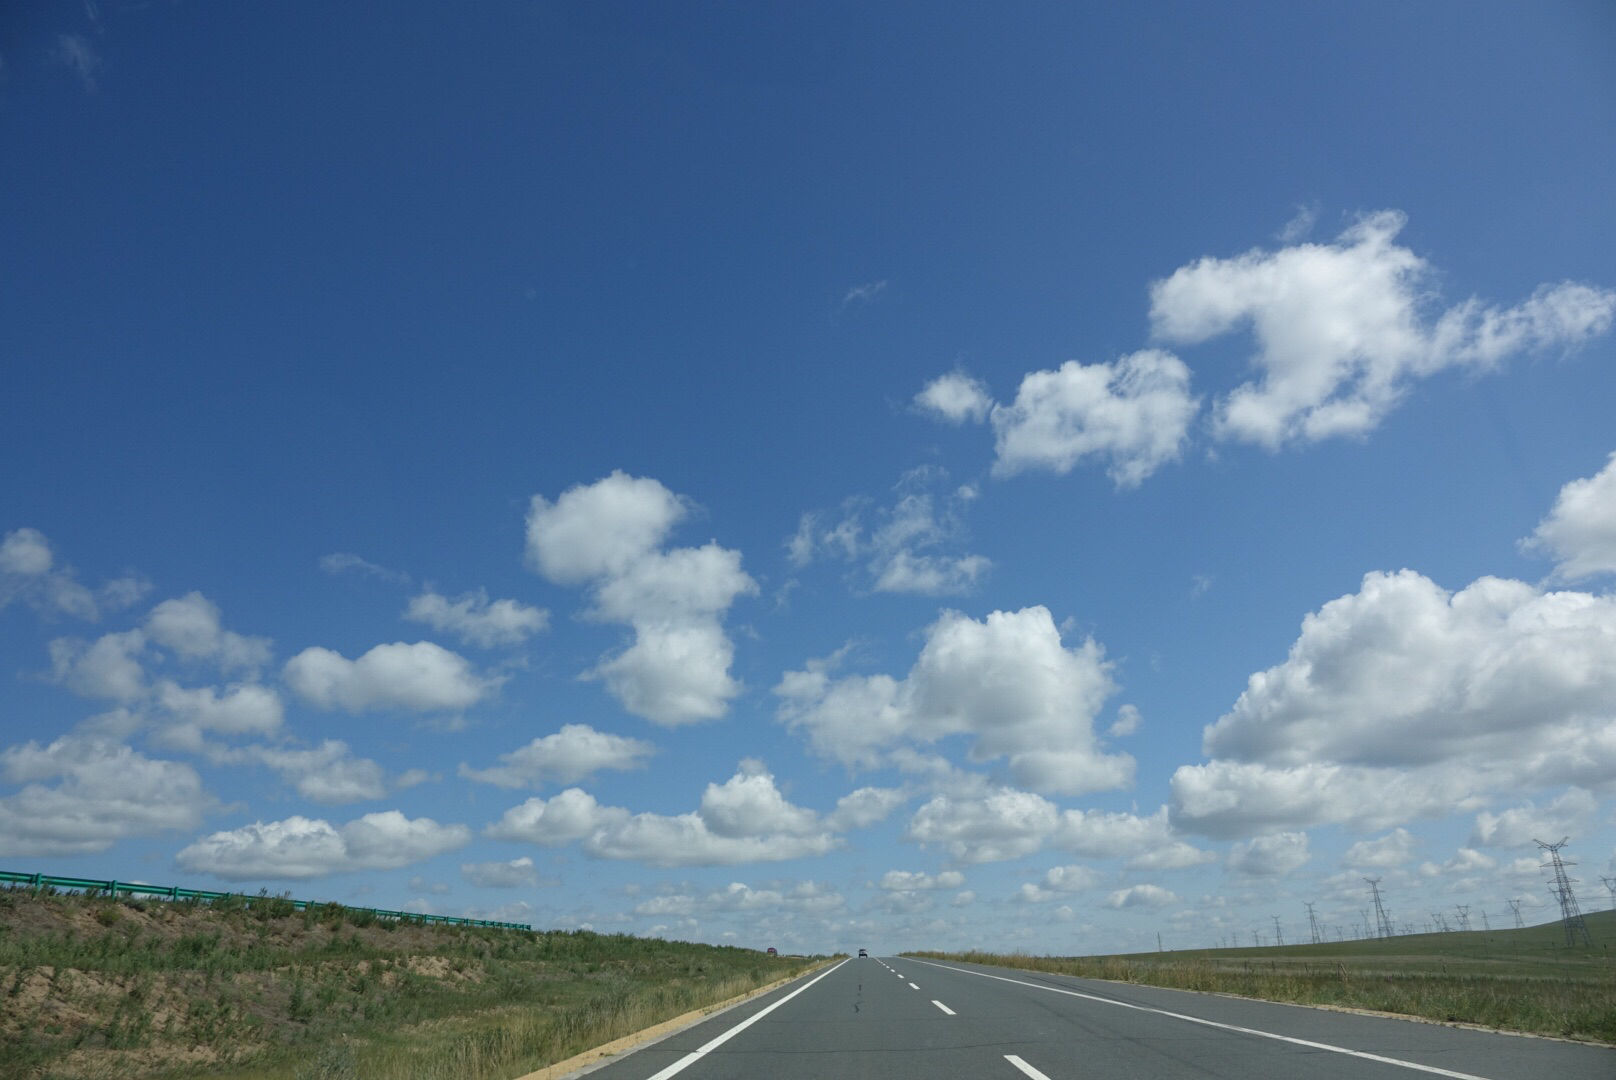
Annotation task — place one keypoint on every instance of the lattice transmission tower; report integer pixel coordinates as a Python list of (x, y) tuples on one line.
[(1313, 923), (1610, 883), (1383, 922), (1515, 906), (1570, 913)]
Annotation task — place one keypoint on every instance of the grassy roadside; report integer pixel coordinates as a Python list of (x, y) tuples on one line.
[(1515, 980), (92, 988)]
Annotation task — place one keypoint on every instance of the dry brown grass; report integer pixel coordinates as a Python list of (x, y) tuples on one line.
[(92, 989)]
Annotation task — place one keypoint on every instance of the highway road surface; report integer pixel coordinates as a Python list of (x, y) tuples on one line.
[(897, 1019)]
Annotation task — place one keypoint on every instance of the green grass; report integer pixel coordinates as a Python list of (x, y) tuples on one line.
[(93, 988), (1514, 980)]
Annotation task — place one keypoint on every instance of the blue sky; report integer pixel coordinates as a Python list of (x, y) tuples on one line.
[(821, 476)]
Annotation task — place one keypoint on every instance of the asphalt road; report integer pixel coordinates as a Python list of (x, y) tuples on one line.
[(898, 1019)]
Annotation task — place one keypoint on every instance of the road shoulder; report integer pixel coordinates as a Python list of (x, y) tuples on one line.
[(590, 1060)]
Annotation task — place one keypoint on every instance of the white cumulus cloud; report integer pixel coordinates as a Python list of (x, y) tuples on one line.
[(862, 808), (1149, 843), (241, 709), (29, 572), (1580, 531), (992, 827), (300, 847), (1147, 896), (1133, 414), (475, 619), (328, 773), (609, 535), (1394, 849), (109, 667), (744, 819), (574, 753), (422, 677), (1521, 826), (956, 398), (600, 530), (102, 792), (25, 553), (1342, 329), (1006, 681), (190, 626), (1059, 881), (916, 880), (1405, 700), (1272, 855), (512, 874), (1237, 798)]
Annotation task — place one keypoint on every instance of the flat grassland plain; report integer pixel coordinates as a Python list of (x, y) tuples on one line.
[(1525, 980), (250, 989)]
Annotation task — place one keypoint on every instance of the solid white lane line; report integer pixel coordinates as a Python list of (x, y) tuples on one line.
[(912, 986), (1310, 1044), (935, 1002), (713, 1044), (1024, 1067)]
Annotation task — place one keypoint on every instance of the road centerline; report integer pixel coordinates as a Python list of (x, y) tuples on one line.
[(1309, 1043)]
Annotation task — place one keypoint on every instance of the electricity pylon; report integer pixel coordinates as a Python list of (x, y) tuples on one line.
[(1570, 913), (1383, 923)]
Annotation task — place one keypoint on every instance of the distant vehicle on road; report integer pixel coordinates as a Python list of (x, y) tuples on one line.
[(863, 952), (773, 951)]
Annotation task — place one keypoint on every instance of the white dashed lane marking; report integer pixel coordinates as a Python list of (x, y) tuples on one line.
[(1309, 1043), (1025, 1068), (943, 1007)]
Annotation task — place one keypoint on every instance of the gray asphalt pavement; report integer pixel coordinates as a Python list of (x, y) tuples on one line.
[(900, 1019)]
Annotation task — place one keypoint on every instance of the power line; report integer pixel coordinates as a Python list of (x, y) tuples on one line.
[(1570, 913)]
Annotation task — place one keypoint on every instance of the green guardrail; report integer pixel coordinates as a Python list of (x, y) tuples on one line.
[(174, 892)]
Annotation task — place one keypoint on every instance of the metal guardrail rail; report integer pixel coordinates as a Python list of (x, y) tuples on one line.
[(174, 892)]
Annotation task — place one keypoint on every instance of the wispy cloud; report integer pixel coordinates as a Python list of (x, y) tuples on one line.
[(864, 294), (1300, 226), (898, 543), (343, 562), (76, 53)]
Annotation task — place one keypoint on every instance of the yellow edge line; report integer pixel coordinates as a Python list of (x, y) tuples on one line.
[(662, 1030)]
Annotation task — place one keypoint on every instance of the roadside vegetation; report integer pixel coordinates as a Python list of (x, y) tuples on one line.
[(1525, 980), (93, 988)]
